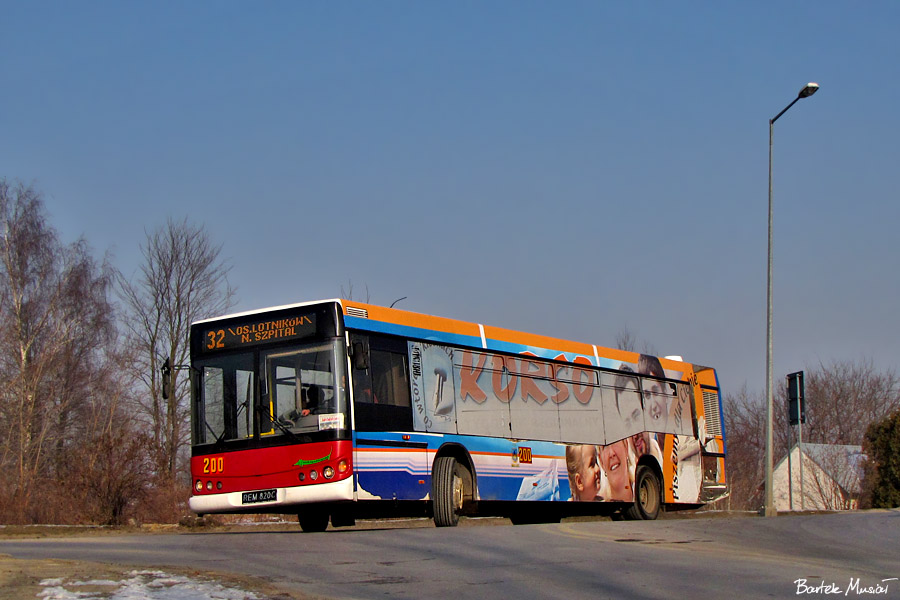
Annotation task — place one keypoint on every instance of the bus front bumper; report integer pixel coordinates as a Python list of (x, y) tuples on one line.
[(284, 497)]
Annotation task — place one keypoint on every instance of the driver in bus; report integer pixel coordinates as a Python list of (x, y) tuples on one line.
[(311, 404)]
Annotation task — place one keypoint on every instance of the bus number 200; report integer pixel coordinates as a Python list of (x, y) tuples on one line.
[(525, 455), (213, 465)]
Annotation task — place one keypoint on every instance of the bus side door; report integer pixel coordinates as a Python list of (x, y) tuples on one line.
[(391, 462)]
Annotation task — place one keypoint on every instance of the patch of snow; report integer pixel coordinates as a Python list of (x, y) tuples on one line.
[(144, 585)]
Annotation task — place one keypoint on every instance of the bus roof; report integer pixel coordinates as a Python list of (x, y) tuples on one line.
[(268, 309), (395, 321), (441, 329)]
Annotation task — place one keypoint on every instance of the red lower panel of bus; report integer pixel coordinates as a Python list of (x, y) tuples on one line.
[(278, 467)]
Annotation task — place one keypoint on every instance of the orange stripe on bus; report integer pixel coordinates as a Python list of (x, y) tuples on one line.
[(401, 317)]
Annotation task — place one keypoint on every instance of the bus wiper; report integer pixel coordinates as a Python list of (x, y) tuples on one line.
[(219, 437)]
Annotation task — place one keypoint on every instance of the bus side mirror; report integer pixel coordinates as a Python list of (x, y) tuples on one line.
[(360, 355), (166, 371)]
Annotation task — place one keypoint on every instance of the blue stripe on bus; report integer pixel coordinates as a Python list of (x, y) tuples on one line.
[(549, 353), (721, 418), (390, 472)]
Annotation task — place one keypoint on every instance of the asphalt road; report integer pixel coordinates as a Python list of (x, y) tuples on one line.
[(856, 553)]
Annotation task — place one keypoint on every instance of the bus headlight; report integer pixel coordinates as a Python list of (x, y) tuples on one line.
[(313, 475), (198, 486), (328, 472)]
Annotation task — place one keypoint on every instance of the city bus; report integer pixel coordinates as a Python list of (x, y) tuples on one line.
[(338, 410)]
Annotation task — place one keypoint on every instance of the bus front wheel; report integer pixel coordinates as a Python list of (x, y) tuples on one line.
[(313, 520), (646, 495), (447, 491)]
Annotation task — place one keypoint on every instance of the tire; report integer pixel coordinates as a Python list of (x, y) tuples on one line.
[(343, 518), (448, 491), (313, 520), (647, 496)]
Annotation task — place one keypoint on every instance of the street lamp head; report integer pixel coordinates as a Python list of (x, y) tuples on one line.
[(810, 89)]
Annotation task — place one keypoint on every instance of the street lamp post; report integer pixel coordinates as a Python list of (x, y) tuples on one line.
[(769, 509)]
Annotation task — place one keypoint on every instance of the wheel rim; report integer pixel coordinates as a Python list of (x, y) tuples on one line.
[(457, 493), (648, 496)]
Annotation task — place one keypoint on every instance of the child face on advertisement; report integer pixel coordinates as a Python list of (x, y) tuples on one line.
[(614, 460), (589, 474)]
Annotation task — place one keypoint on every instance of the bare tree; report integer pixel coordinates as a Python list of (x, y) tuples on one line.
[(348, 293), (842, 399), (107, 467), (626, 340), (845, 397), (55, 322), (745, 427), (183, 279)]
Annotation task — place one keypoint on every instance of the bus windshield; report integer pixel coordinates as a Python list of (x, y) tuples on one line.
[(305, 389), (226, 389), (301, 390)]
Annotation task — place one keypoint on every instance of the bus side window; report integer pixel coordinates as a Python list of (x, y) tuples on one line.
[(381, 392), (390, 378), (361, 371)]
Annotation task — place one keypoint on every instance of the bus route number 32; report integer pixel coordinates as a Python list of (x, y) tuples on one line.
[(216, 339)]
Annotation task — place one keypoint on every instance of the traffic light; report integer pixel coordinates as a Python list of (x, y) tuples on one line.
[(166, 371), (796, 400)]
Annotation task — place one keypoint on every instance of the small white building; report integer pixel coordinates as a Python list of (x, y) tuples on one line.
[(831, 478)]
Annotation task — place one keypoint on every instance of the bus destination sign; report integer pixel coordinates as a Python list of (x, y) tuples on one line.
[(276, 330)]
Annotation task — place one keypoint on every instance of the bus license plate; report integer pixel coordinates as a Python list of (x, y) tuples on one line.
[(259, 496)]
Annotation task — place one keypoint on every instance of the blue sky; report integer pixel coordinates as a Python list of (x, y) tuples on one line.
[(570, 169)]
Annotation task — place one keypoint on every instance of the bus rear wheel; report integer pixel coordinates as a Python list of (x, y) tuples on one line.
[(448, 490), (313, 520), (646, 495)]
